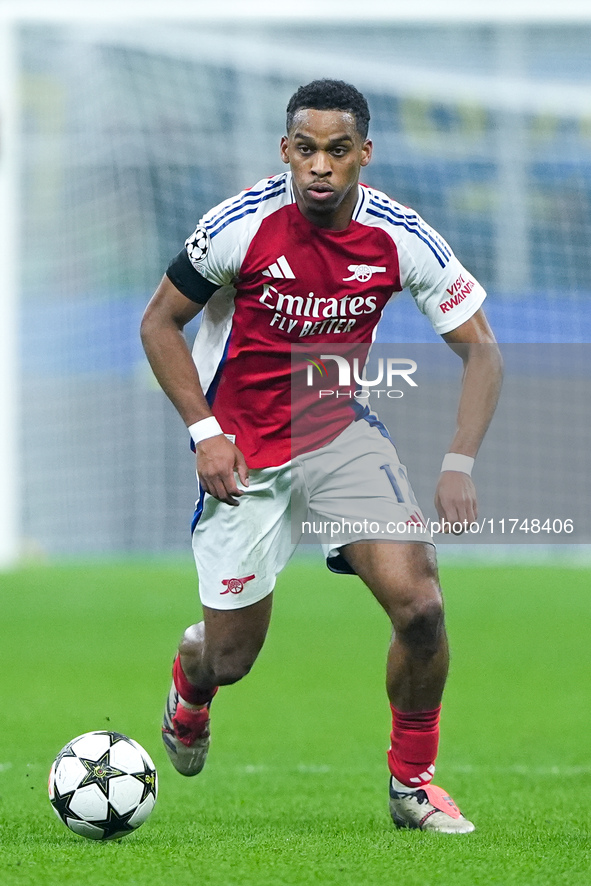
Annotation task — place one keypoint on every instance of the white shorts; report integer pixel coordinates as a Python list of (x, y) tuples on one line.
[(353, 489)]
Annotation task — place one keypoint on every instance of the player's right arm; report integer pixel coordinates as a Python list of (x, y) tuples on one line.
[(165, 317)]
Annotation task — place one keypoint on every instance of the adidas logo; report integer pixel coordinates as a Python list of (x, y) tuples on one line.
[(425, 776), (280, 270)]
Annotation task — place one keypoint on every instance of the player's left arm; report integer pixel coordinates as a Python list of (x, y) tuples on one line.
[(474, 342)]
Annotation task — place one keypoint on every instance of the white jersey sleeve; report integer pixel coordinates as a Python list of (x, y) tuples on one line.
[(220, 241), (441, 286)]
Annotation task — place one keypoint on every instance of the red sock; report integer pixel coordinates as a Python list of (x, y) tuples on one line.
[(414, 741), (187, 691)]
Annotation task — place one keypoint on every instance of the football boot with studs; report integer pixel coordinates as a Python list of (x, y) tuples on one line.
[(185, 733), (427, 808)]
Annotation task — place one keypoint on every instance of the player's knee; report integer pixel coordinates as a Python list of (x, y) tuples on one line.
[(192, 641), (421, 625)]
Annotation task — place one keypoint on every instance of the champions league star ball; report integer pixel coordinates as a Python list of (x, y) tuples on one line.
[(198, 244), (103, 785)]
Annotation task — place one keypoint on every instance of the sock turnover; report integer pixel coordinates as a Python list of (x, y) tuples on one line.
[(187, 691), (413, 748)]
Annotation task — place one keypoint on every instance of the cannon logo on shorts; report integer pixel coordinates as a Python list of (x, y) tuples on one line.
[(235, 585)]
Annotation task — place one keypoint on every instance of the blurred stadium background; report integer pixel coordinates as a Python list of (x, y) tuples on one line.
[(124, 133)]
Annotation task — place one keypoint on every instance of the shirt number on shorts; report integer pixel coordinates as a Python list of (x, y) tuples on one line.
[(400, 484)]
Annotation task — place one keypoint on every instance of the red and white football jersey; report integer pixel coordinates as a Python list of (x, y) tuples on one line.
[(285, 281)]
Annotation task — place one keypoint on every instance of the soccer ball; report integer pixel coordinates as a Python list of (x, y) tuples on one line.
[(103, 785)]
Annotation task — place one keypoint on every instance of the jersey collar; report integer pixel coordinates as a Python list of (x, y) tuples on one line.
[(361, 196)]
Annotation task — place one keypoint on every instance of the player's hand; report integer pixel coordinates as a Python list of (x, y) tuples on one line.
[(455, 500), (217, 462)]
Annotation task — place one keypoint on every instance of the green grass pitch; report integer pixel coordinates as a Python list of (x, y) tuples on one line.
[(295, 788)]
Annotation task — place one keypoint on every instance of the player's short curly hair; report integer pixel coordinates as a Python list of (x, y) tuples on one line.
[(330, 95)]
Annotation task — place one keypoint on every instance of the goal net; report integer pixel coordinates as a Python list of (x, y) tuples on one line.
[(128, 133)]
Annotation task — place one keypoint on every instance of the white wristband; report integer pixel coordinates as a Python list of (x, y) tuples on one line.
[(204, 429), (454, 461)]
